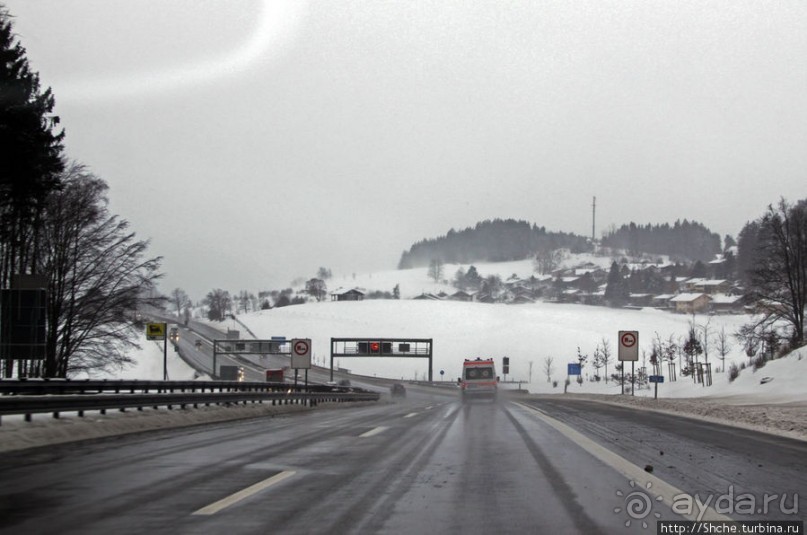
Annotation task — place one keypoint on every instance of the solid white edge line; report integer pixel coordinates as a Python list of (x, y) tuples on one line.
[(658, 487), (215, 507), (373, 432)]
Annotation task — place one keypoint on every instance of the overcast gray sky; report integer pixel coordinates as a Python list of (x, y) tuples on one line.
[(253, 142)]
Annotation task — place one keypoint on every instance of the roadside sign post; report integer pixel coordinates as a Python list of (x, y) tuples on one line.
[(628, 351), (301, 357), (572, 368), (656, 379), (156, 331)]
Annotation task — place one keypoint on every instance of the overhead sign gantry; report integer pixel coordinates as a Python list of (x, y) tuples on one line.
[(275, 346), (382, 347)]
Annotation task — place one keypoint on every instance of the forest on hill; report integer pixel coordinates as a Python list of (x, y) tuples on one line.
[(684, 240), (502, 240)]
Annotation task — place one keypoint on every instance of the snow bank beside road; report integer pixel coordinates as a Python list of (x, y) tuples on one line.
[(788, 420)]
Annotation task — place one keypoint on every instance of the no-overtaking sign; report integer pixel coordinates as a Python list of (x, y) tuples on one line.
[(628, 345), (301, 353)]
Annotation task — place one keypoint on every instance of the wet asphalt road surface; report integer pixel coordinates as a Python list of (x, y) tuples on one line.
[(427, 464)]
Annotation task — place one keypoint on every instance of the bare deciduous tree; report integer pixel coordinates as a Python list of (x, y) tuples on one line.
[(779, 280), (98, 276), (436, 269), (547, 259), (316, 288), (245, 300), (605, 355), (723, 347), (219, 304), (179, 299), (548, 368)]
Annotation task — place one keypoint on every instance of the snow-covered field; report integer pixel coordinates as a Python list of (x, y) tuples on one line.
[(527, 334), (530, 333), (149, 364)]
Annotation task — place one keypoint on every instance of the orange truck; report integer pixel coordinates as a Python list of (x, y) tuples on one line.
[(478, 379)]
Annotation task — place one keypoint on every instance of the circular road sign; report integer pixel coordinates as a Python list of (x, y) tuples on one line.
[(628, 339), (301, 347)]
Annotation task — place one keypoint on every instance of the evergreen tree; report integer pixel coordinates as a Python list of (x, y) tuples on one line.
[(473, 280), (492, 241), (684, 239), (698, 270), (728, 242), (692, 349), (30, 155), (616, 290)]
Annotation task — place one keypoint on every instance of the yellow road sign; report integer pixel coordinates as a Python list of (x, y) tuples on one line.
[(155, 331)]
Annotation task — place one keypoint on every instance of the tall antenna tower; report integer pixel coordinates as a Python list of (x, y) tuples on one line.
[(593, 218)]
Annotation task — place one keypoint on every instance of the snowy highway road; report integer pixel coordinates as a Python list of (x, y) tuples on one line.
[(429, 464)]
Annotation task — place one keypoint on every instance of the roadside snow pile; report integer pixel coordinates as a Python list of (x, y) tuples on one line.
[(779, 381), (788, 420), (771, 399)]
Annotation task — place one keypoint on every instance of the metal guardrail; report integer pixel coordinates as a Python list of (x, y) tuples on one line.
[(29, 397), (92, 386)]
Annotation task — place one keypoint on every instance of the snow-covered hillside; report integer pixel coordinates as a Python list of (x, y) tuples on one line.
[(528, 334), (416, 281)]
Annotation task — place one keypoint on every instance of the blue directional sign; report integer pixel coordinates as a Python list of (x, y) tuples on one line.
[(656, 378), (574, 369)]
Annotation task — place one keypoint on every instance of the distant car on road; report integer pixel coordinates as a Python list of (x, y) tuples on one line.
[(231, 373), (397, 390)]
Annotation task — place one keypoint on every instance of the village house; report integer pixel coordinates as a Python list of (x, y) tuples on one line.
[(713, 286), (690, 303), (347, 294), (727, 304), (662, 301), (425, 296), (462, 295)]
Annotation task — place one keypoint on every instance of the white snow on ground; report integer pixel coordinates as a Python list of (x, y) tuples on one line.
[(527, 334), (149, 361), (416, 281)]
